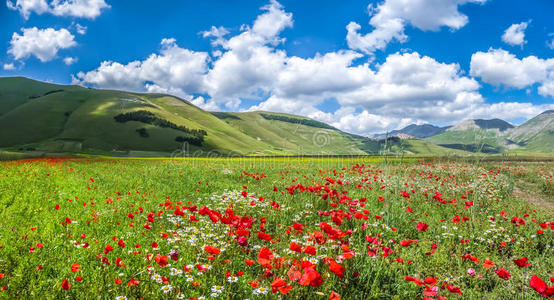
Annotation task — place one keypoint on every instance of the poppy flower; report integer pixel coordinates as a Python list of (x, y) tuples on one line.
[(336, 268), (277, 283), (309, 250), (212, 250), (488, 263), (334, 296), (521, 262), (540, 286), (75, 267), (295, 247), (133, 282), (502, 273), (454, 289), (65, 285), (265, 257), (161, 260), (422, 226), (108, 249)]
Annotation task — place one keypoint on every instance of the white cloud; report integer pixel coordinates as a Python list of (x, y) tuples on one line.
[(9, 67), (89, 9), (391, 17), (218, 33), (406, 88), (175, 70), (42, 43), (26, 7), (515, 34), (81, 29), (70, 60), (208, 105), (499, 67), (249, 65)]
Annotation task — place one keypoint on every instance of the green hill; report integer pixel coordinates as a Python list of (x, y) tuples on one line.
[(535, 135), (42, 117)]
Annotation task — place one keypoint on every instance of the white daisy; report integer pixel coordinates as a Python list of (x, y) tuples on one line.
[(167, 288)]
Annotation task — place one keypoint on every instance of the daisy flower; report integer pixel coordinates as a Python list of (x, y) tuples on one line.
[(167, 288)]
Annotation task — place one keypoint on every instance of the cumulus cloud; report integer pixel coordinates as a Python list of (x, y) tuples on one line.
[(499, 67), (175, 70), (44, 44), (89, 9), (9, 67), (391, 17), (515, 34), (405, 88), (70, 60)]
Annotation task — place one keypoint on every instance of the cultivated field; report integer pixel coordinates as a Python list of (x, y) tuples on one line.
[(298, 228)]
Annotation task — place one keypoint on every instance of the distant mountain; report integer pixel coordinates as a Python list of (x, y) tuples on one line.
[(501, 125), (417, 131), (41, 117), (535, 135), (498, 136)]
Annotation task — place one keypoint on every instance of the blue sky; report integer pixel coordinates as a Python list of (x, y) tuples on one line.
[(406, 62)]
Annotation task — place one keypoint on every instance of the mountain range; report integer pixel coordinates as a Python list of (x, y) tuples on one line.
[(40, 117), (488, 136)]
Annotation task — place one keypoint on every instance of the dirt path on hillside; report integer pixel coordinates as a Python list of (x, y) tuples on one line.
[(533, 198)]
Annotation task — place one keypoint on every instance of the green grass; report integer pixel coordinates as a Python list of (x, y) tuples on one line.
[(99, 196)]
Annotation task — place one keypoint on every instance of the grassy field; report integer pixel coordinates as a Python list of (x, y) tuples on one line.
[(364, 228)]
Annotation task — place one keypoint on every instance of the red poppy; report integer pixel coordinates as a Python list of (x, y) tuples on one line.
[(277, 283), (422, 226), (161, 260), (502, 273), (212, 250), (336, 268), (119, 262), (521, 262), (540, 286), (334, 296), (133, 282), (295, 247), (264, 236), (66, 285), (265, 257), (75, 267), (108, 249), (488, 263), (309, 250), (454, 289)]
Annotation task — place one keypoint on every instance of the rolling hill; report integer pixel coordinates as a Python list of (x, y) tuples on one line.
[(43, 117), (48, 118)]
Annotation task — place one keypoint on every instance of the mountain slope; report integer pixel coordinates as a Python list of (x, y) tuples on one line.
[(483, 136), (417, 131), (535, 135)]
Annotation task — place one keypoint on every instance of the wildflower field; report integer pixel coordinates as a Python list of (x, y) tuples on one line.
[(297, 228)]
